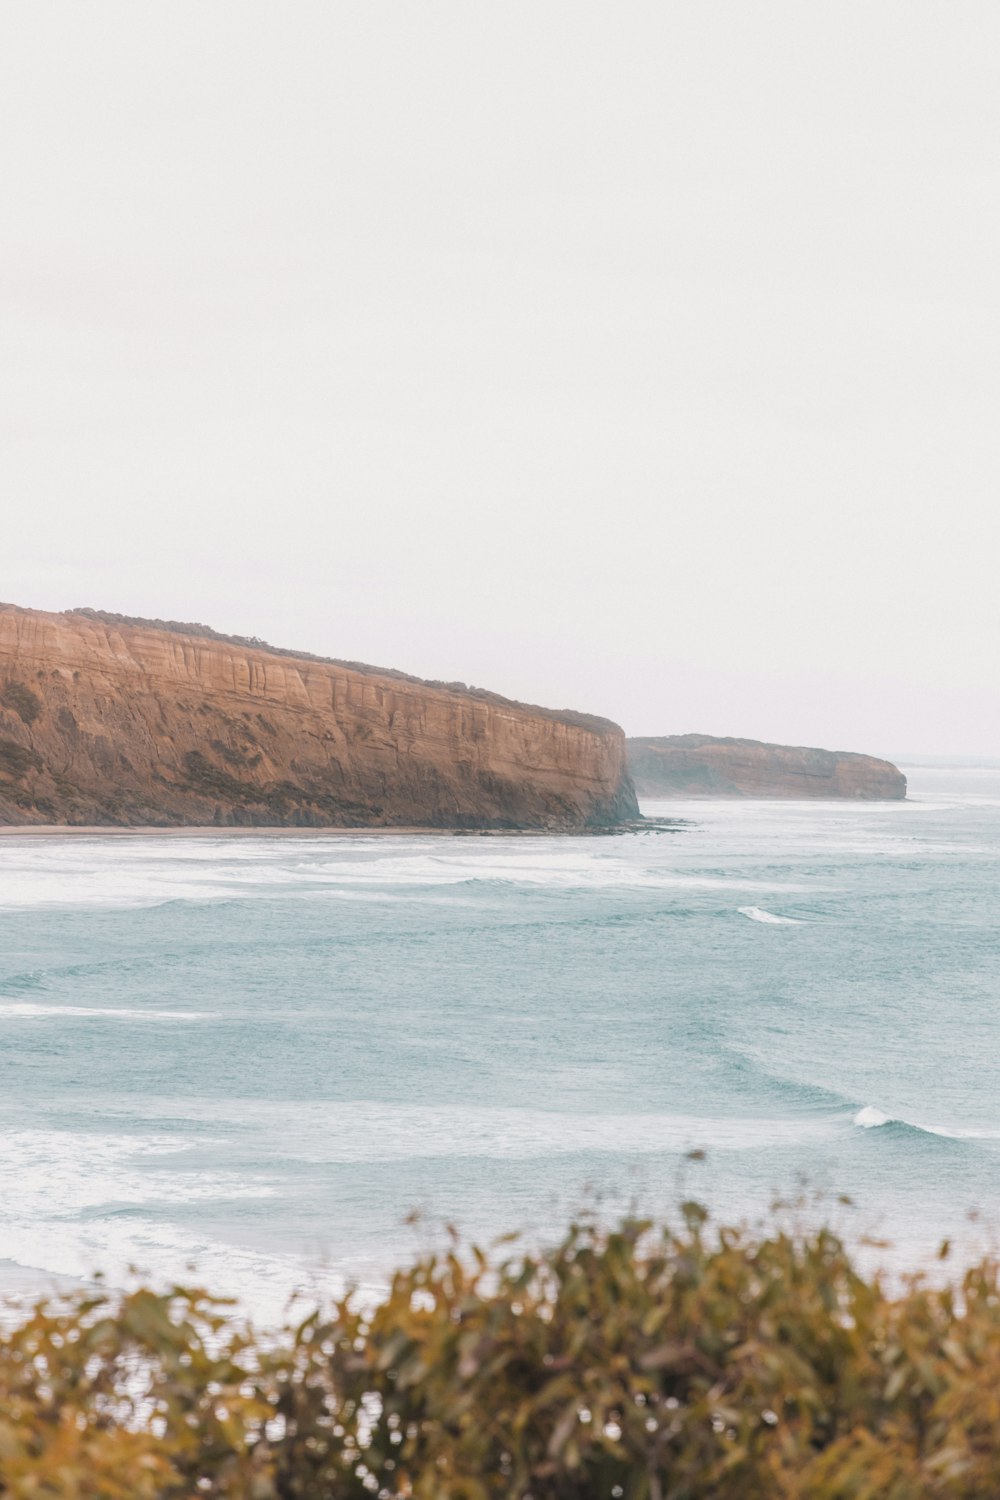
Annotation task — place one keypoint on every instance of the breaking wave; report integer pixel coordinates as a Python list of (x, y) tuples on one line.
[(871, 1118), (757, 914), (26, 1010)]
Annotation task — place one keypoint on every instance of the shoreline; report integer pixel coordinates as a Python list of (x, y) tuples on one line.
[(139, 830), (211, 831)]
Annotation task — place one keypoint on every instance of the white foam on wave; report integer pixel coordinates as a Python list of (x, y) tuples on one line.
[(57, 1173), (76, 1203), (870, 1118), (553, 864), (28, 1010), (79, 1204), (757, 914), (139, 873)]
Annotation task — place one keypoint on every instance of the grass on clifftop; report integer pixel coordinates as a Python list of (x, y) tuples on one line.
[(645, 1363)]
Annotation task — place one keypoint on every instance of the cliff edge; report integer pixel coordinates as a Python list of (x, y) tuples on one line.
[(700, 765), (110, 720)]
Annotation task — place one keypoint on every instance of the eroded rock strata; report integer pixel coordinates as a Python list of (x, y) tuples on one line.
[(105, 720), (700, 765)]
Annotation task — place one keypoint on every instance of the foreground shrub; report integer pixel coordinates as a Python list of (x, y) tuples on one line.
[(643, 1363)]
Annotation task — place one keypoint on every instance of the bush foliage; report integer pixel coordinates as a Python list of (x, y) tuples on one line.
[(648, 1363)]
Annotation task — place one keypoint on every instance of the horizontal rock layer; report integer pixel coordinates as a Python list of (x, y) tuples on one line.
[(699, 765), (108, 721)]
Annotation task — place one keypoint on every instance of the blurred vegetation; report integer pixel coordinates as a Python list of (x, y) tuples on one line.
[(647, 1363)]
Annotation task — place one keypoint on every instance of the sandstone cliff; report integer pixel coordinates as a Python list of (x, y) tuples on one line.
[(699, 765), (105, 720)]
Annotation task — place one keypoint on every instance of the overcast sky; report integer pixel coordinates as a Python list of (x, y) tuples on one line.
[(641, 358)]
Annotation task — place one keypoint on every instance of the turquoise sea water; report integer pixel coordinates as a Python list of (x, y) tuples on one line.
[(256, 1055)]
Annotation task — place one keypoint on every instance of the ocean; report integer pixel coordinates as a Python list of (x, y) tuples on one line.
[(279, 1062)]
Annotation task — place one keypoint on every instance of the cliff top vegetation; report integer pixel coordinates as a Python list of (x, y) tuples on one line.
[(593, 722)]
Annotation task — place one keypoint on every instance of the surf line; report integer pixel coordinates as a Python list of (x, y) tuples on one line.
[(757, 914)]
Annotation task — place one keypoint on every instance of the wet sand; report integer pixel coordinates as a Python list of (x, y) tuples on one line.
[(60, 830)]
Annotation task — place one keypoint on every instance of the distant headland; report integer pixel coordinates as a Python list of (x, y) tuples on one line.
[(702, 765), (117, 721)]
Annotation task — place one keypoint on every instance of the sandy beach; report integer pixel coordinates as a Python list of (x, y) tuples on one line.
[(60, 830)]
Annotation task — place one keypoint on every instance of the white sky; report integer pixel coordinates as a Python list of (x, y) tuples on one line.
[(641, 358)]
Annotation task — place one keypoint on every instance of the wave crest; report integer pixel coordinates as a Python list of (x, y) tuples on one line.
[(757, 914), (869, 1118), (28, 1010)]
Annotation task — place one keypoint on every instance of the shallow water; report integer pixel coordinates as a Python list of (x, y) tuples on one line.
[(257, 1055)]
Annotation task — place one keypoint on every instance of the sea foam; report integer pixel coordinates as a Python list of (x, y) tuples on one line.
[(869, 1118), (25, 1010), (757, 914)]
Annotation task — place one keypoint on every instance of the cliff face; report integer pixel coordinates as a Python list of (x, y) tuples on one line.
[(110, 722), (698, 765)]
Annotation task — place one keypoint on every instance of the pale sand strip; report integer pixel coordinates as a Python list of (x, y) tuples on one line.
[(61, 830)]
